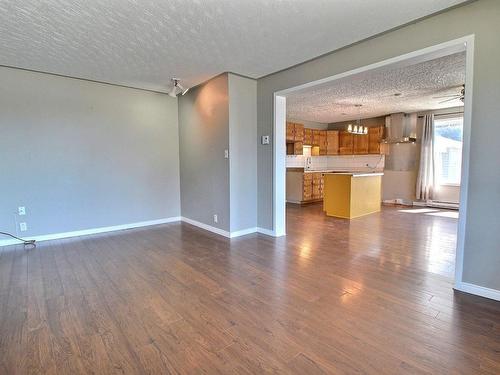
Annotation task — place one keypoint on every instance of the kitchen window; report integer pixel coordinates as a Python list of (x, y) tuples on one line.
[(448, 133)]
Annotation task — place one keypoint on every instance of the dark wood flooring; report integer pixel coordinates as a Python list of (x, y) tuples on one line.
[(369, 296)]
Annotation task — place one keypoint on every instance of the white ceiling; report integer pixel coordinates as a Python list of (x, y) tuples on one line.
[(143, 43), (419, 85)]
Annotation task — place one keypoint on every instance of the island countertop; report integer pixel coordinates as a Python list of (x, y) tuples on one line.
[(357, 174)]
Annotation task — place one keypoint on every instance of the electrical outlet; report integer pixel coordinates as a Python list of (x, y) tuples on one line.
[(265, 139), (226, 154), (21, 210), (216, 218), (23, 227)]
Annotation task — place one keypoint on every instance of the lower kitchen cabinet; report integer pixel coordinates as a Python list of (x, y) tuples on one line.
[(303, 187)]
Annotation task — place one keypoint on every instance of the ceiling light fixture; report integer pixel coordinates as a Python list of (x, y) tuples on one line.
[(177, 88), (358, 128)]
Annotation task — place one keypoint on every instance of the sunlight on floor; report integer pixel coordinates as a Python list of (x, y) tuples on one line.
[(432, 212), (419, 210), (450, 214)]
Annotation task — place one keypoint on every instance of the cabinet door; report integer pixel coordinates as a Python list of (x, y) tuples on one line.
[(345, 143), (322, 142), (298, 148), (308, 137), (360, 142), (290, 131), (307, 187), (315, 137), (299, 133), (374, 138), (332, 142)]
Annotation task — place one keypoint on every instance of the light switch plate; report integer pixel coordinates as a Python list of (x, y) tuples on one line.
[(23, 227), (226, 154)]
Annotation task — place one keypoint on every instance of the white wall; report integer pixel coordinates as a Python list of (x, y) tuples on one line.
[(338, 162), (83, 155)]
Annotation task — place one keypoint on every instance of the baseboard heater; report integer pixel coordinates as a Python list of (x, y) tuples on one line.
[(438, 204)]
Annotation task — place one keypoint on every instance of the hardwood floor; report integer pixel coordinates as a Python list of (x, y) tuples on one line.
[(333, 297)]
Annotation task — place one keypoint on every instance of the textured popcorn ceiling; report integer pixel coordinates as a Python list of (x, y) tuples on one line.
[(143, 43), (418, 84)]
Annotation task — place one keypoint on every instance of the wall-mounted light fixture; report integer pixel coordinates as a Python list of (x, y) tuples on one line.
[(177, 88)]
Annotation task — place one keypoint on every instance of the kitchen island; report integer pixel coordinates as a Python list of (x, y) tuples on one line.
[(350, 195)]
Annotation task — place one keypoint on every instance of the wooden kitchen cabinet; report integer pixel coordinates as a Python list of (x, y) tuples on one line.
[(304, 187), (322, 142), (307, 186), (290, 132), (315, 137), (299, 133), (308, 137), (345, 143), (332, 142), (298, 148), (374, 138), (295, 148), (317, 186), (360, 144), (294, 138)]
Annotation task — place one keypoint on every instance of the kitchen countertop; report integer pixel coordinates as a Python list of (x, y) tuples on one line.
[(358, 174), (303, 170)]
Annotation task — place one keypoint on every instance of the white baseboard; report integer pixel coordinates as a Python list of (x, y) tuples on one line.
[(210, 228), (478, 290), (86, 232), (243, 232), (267, 232), (227, 234)]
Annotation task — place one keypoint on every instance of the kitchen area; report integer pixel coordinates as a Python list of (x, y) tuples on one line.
[(352, 167), (389, 137)]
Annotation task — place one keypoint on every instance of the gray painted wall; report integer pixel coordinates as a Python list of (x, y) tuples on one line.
[(203, 137), (482, 18), (82, 155), (243, 151)]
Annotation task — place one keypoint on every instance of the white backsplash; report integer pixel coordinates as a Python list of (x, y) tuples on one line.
[(338, 162)]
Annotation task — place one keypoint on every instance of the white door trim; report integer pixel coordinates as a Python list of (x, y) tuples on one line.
[(279, 177)]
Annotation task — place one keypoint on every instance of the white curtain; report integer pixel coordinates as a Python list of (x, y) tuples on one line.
[(425, 179)]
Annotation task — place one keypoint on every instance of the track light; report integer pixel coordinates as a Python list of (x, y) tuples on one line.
[(177, 88)]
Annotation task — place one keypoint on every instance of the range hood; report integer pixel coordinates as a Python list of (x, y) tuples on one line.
[(400, 128)]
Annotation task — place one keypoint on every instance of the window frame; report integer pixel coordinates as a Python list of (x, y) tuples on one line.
[(437, 178)]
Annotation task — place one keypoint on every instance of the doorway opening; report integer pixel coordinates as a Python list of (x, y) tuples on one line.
[(365, 142)]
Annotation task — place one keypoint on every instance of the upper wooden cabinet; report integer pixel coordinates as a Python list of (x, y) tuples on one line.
[(360, 144), (322, 142), (290, 132), (345, 143), (308, 137), (299, 133), (374, 138), (315, 137), (332, 142)]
